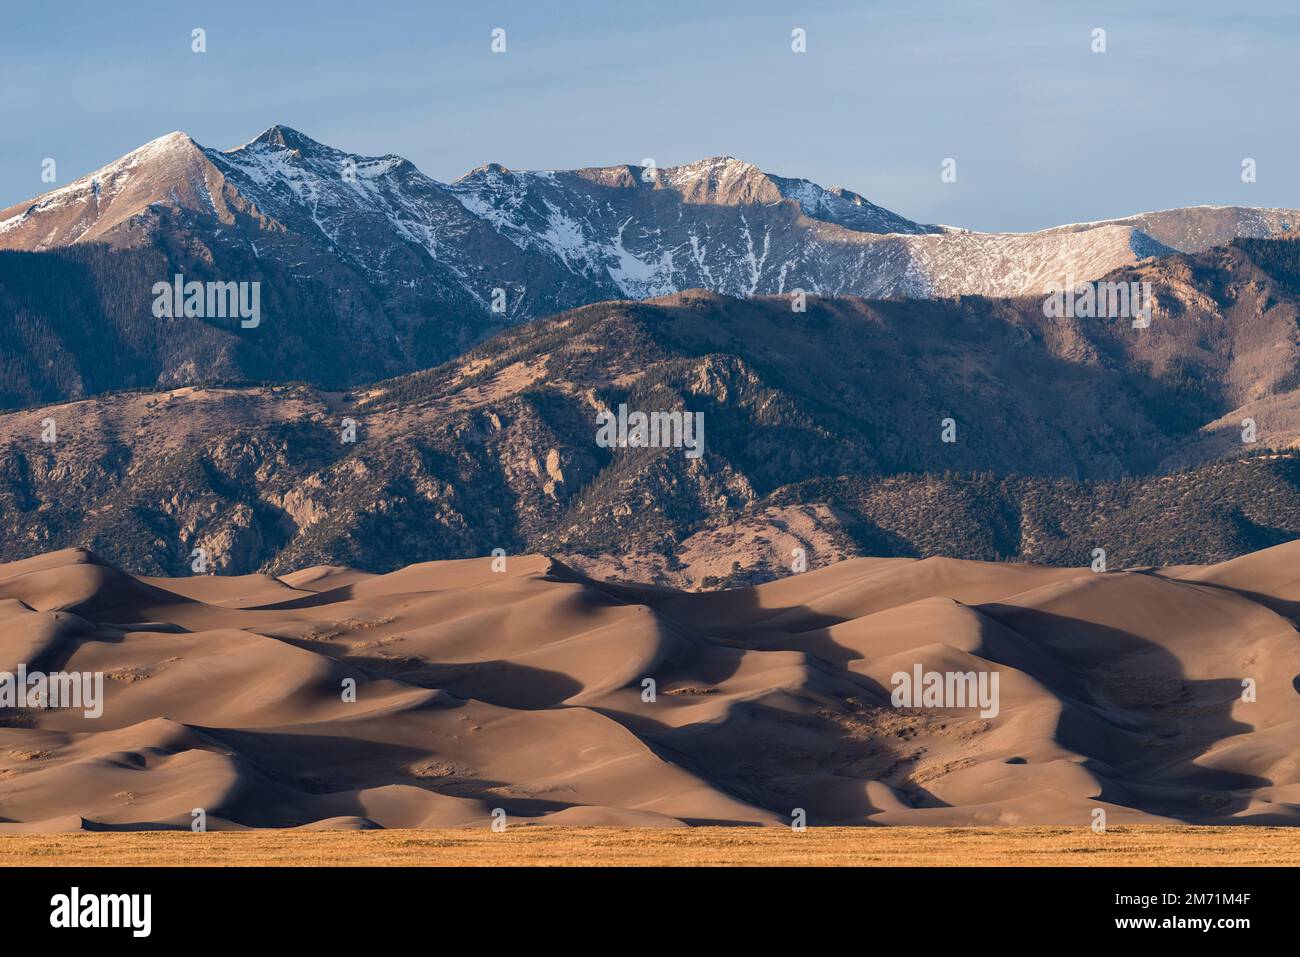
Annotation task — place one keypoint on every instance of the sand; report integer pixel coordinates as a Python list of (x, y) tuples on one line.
[(519, 695)]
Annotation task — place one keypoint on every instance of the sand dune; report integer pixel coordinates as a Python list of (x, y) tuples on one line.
[(522, 691)]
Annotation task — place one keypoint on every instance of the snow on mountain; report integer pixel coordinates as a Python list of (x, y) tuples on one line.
[(380, 215), (720, 224), (552, 240), (172, 167)]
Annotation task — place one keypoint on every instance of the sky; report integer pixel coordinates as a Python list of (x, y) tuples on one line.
[(1043, 130)]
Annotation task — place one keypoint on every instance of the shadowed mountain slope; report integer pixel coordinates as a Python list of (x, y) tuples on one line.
[(822, 430)]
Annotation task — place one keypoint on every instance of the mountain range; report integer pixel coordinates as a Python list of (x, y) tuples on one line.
[(919, 402), (369, 268)]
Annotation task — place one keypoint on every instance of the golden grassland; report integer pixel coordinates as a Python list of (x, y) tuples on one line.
[(536, 845)]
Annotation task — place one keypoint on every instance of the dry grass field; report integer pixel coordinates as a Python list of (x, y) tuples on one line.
[(687, 847)]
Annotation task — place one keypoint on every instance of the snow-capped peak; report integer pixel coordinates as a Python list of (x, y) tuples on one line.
[(713, 165), (287, 137), (559, 238), (92, 204)]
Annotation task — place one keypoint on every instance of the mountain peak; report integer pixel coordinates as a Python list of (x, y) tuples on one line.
[(176, 137), (717, 166), (722, 179), (158, 148), (287, 137), (725, 159), (164, 170), (495, 169)]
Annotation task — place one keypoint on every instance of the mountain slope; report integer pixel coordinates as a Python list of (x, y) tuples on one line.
[(834, 418)]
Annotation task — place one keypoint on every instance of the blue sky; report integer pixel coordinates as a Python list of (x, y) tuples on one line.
[(1044, 131)]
